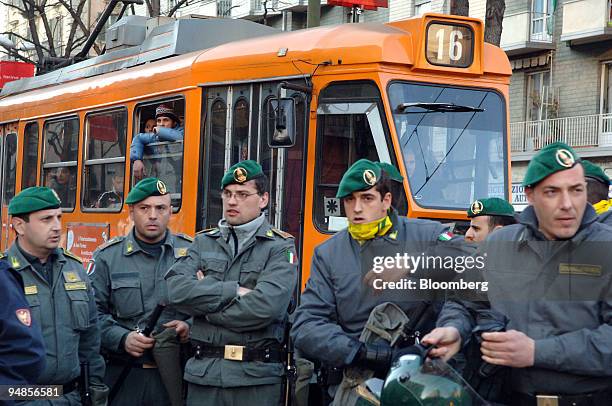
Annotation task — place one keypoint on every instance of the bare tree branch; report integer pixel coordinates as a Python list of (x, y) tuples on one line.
[(21, 10), (178, 5), (12, 53), (47, 27)]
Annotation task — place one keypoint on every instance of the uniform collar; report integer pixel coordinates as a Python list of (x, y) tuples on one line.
[(19, 261), (131, 245)]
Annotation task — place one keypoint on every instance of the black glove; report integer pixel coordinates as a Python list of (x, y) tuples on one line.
[(488, 321), (376, 357)]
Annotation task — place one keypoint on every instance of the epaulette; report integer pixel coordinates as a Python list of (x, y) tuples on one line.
[(184, 237), (208, 231), (71, 255), (282, 233), (111, 242), (2, 255)]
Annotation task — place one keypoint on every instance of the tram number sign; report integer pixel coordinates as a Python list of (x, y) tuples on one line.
[(449, 45)]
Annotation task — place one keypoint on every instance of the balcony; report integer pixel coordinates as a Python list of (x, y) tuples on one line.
[(254, 9), (527, 32), (592, 132), (586, 21)]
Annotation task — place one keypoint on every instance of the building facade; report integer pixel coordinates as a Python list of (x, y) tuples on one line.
[(561, 87)]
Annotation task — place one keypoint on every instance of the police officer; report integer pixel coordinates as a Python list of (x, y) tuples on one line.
[(237, 281), (22, 353), (486, 216), (598, 187), (550, 276), (128, 281), (342, 290), (58, 291)]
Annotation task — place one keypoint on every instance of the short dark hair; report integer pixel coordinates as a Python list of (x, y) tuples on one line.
[(386, 185), (503, 221), (596, 190), (24, 216), (262, 184)]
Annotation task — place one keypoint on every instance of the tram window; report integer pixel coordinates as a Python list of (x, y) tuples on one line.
[(30, 156), (61, 143), (346, 139), (216, 161), (160, 154), (9, 170), (240, 131), (451, 158), (103, 182)]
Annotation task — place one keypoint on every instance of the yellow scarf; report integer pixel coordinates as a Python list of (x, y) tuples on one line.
[(603, 206), (363, 232)]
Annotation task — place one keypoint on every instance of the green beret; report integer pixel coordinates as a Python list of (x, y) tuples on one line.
[(553, 158), (594, 171), (493, 206), (241, 172), (34, 199), (145, 188), (365, 174)]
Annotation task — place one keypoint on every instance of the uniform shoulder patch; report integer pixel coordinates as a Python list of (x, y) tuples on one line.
[(71, 255), (282, 233), (184, 237), (111, 242)]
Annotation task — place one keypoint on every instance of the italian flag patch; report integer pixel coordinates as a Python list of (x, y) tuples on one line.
[(291, 257), (445, 236)]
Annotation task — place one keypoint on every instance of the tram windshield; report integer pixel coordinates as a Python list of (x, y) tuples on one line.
[(452, 141)]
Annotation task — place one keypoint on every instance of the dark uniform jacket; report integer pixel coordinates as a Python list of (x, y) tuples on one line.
[(559, 294), (335, 304), (129, 284), (22, 352), (66, 311), (267, 264)]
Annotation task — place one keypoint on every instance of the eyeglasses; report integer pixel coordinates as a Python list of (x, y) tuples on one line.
[(239, 196)]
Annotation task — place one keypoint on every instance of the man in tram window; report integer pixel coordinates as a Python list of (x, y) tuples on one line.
[(65, 186), (114, 197), (168, 128)]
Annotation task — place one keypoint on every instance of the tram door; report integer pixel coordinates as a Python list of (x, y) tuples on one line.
[(8, 167), (234, 117)]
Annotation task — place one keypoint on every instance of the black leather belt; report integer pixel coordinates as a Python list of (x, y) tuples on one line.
[(238, 353), (587, 399), (70, 386)]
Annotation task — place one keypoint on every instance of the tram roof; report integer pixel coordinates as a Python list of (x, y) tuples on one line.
[(288, 53)]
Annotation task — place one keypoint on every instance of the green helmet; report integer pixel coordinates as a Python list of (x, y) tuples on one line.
[(414, 383)]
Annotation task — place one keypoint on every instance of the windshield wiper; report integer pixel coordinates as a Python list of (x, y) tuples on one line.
[(439, 107)]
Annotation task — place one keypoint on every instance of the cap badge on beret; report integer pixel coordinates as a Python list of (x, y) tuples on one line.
[(477, 207), (240, 175), (369, 177), (161, 187), (564, 158)]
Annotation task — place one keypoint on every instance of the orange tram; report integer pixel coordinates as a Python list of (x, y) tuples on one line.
[(426, 94)]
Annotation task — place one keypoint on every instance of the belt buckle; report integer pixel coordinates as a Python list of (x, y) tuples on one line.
[(547, 400), (234, 352)]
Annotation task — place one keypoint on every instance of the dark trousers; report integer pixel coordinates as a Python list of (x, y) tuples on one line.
[(141, 387), (269, 395)]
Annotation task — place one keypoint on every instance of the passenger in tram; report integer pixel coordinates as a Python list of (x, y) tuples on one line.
[(65, 186), (168, 128), (112, 198)]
